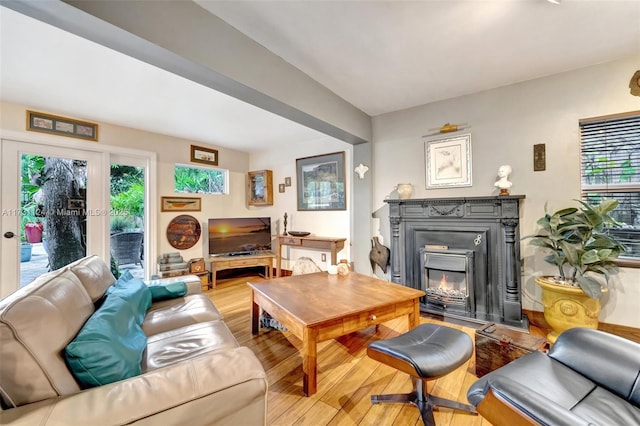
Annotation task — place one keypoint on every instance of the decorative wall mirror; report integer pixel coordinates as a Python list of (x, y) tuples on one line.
[(260, 188)]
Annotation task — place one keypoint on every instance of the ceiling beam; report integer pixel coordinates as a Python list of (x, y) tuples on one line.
[(184, 39)]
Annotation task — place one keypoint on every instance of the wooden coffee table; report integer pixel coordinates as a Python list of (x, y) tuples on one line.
[(318, 307)]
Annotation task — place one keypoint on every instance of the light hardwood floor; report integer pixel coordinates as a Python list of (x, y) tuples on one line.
[(346, 376)]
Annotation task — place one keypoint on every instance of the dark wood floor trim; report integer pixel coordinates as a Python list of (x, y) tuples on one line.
[(537, 318)]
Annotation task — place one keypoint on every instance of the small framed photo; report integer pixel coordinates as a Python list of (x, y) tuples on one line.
[(448, 162), (180, 204), (287, 181), (62, 126), (202, 155), (281, 187)]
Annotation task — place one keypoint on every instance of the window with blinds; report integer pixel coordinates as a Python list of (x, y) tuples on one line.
[(610, 148)]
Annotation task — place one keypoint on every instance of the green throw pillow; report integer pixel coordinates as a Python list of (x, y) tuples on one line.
[(167, 291), (134, 292), (109, 346)]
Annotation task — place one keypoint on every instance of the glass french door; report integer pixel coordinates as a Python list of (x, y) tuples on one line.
[(127, 224), (53, 209)]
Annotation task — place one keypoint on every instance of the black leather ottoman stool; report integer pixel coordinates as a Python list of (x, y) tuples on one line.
[(427, 352)]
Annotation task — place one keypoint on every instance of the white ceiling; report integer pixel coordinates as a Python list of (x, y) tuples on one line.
[(381, 56), (385, 56)]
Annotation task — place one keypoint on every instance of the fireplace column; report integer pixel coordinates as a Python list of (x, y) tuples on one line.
[(512, 305), (395, 249)]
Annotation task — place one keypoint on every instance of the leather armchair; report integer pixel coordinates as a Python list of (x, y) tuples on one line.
[(589, 377)]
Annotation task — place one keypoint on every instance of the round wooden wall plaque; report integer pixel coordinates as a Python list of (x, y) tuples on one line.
[(183, 232)]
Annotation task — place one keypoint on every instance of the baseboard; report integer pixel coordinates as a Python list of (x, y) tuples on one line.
[(536, 318)]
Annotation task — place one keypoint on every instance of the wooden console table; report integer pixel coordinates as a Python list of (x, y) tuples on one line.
[(334, 245), (220, 263)]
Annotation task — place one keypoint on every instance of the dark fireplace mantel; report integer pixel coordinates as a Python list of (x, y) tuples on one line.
[(488, 226)]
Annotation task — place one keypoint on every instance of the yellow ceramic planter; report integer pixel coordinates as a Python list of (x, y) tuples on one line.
[(567, 307)]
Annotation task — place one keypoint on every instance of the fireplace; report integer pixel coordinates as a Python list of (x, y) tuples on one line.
[(447, 279), (473, 243)]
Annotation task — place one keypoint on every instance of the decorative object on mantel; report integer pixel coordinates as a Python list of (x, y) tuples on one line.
[(447, 128), (503, 183), (634, 84), (61, 126), (379, 255), (448, 162), (405, 190), (361, 170)]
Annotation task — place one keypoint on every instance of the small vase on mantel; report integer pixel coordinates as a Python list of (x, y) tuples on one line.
[(405, 190)]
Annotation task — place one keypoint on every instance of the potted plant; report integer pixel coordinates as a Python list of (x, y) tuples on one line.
[(25, 251), (33, 231), (585, 257)]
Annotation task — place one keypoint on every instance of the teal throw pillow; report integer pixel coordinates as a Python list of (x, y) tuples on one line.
[(109, 346), (134, 292), (167, 291)]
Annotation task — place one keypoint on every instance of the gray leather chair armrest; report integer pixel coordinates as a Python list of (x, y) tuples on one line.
[(608, 360), (537, 407)]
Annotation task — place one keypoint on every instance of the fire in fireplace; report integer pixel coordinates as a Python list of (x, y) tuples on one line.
[(447, 278), (450, 289)]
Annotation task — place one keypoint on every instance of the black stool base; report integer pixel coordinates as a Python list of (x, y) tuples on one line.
[(424, 402)]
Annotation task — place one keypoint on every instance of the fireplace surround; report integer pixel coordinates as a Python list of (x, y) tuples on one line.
[(473, 241)]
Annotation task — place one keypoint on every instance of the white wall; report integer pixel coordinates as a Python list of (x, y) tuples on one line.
[(169, 150), (505, 124), (320, 223)]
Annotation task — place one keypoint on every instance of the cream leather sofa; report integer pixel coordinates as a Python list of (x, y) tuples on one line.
[(193, 370)]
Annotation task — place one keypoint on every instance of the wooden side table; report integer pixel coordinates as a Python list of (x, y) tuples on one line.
[(220, 263), (334, 245), (497, 345)]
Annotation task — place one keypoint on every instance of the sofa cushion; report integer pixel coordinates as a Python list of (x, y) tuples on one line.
[(175, 313), (167, 291), (94, 274), (134, 292), (36, 323), (185, 343), (109, 346)]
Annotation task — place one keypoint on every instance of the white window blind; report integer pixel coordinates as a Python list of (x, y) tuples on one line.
[(610, 148)]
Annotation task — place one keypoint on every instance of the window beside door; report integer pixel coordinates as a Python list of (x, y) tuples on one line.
[(610, 169)]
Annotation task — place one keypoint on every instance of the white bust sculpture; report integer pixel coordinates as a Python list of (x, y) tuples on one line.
[(503, 183)]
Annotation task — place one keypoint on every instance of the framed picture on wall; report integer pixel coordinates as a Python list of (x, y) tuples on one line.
[(260, 188), (202, 155), (321, 182), (448, 162)]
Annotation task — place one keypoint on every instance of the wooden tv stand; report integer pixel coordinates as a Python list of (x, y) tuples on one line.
[(220, 263)]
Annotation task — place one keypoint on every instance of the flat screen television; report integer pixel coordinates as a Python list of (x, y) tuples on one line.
[(239, 235)]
